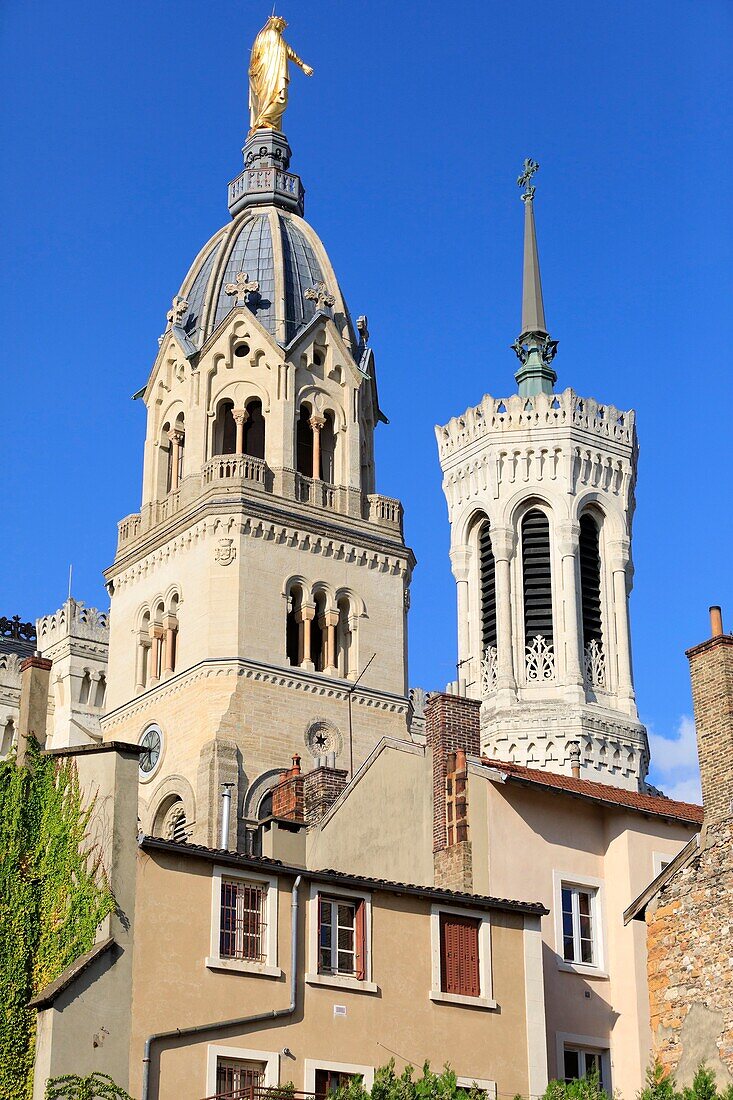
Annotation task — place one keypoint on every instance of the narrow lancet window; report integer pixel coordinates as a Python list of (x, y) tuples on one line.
[(590, 588), (487, 598), (537, 588)]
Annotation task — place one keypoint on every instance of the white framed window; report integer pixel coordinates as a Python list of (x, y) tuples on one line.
[(660, 860), (579, 1056), (579, 935), (340, 939), (229, 1069), (243, 922), (488, 1088), (461, 957), (323, 1077)]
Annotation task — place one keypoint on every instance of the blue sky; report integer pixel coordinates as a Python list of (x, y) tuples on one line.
[(124, 127)]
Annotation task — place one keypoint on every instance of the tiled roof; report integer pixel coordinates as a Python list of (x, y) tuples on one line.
[(600, 792), (479, 901)]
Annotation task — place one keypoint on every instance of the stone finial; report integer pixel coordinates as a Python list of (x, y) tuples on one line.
[(178, 311), (242, 288), (362, 327), (321, 296)]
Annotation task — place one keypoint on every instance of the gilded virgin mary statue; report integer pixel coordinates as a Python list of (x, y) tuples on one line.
[(268, 76)]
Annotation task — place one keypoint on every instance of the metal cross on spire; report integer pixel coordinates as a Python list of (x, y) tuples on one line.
[(320, 295), (525, 180), (242, 287)]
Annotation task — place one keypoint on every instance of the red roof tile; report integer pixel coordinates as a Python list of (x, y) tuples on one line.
[(601, 792)]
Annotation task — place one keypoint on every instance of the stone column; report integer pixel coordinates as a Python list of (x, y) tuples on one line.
[(316, 423), (176, 438), (304, 616), (469, 663), (156, 639), (240, 418), (142, 675), (503, 543), (330, 623), (619, 560), (170, 626), (568, 535)]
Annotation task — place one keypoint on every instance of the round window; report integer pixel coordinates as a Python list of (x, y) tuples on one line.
[(152, 743), (241, 350)]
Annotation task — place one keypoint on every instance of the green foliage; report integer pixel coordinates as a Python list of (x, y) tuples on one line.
[(660, 1085), (430, 1086), (53, 896), (98, 1086), (584, 1088)]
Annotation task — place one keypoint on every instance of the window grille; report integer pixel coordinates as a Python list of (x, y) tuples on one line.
[(243, 920), (578, 925), (459, 956), (237, 1078)]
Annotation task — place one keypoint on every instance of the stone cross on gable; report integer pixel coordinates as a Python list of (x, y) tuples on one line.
[(319, 294), (242, 287), (178, 311), (525, 180)]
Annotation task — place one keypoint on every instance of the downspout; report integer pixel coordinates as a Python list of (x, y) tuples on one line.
[(222, 1025)]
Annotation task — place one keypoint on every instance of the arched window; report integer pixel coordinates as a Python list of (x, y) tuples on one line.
[(487, 582), (224, 430), (328, 450), (100, 691), (319, 634), (165, 461), (304, 443), (85, 689), (174, 823), (343, 638), (590, 590), (292, 627), (254, 430), (537, 594), (144, 641), (7, 738)]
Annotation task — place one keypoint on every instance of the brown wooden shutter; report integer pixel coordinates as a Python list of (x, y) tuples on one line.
[(360, 941), (459, 961)]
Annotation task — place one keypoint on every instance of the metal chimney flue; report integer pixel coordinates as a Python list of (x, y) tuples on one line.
[(226, 809)]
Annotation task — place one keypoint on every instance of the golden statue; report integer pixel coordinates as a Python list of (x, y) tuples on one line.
[(268, 76)]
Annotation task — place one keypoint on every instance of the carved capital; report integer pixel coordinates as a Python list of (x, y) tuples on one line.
[(460, 560), (316, 422), (620, 555), (305, 614), (568, 535), (503, 543), (329, 618), (176, 436), (240, 416), (170, 622)]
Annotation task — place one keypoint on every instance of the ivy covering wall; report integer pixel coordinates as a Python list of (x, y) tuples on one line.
[(53, 897)]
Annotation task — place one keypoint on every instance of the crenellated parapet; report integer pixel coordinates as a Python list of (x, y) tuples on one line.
[(73, 618)]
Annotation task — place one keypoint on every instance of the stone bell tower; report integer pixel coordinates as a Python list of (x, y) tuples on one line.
[(263, 572), (540, 492)]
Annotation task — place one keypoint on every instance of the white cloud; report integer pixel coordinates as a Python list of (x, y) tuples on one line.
[(674, 765)]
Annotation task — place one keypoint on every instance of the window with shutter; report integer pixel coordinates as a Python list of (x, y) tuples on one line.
[(236, 1078), (342, 937), (488, 587), (537, 577), (459, 955), (590, 579)]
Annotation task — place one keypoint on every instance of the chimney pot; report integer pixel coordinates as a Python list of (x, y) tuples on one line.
[(716, 621)]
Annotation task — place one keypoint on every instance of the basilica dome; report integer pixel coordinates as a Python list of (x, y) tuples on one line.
[(279, 251)]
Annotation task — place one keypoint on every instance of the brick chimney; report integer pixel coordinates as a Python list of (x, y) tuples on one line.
[(287, 797), (34, 681), (321, 788), (711, 672), (452, 732)]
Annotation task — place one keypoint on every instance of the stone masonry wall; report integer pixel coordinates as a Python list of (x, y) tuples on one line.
[(690, 953)]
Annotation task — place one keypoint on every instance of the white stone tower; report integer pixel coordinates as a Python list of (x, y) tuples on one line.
[(540, 492), (262, 572)]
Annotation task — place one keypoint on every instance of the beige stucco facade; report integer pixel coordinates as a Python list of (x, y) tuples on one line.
[(393, 1016), (525, 842)]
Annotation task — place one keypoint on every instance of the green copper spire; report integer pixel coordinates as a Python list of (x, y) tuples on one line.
[(534, 348)]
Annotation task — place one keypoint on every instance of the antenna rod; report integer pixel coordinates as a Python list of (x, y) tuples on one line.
[(349, 693)]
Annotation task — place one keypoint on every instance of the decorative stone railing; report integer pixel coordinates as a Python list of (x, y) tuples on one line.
[(539, 411), (240, 471), (539, 661), (489, 671), (594, 662), (10, 669), (225, 467)]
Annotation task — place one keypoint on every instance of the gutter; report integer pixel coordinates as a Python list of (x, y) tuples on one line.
[(241, 1021)]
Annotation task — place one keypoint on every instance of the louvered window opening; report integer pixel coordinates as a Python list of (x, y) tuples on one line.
[(459, 959), (243, 920), (488, 587), (537, 577), (590, 580), (235, 1078)]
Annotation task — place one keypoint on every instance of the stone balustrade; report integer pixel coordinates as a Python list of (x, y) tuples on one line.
[(239, 473)]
